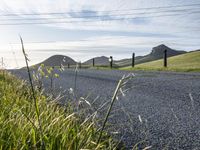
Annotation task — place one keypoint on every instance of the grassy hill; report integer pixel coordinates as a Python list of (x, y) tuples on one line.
[(102, 61), (57, 60), (185, 62), (155, 54)]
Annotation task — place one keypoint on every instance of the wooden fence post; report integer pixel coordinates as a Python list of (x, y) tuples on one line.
[(93, 63), (165, 58), (111, 61), (133, 60)]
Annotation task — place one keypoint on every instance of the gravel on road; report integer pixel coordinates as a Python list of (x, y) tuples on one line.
[(162, 109)]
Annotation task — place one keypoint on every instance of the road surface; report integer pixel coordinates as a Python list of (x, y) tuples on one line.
[(161, 110)]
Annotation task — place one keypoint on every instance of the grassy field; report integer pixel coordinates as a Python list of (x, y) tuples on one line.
[(189, 62), (58, 127)]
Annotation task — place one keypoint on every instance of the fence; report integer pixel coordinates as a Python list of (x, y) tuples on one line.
[(111, 63)]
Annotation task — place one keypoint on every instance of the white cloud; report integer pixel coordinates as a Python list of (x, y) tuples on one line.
[(160, 25), (180, 31)]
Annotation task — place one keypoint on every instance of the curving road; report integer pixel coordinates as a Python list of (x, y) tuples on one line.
[(161, 110)]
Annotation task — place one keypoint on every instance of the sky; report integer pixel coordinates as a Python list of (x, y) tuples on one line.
[(83, 29)]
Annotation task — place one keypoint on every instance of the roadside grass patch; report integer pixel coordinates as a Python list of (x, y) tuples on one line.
[(62, 127)]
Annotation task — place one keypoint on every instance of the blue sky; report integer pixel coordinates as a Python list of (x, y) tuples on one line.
[(83, 29)]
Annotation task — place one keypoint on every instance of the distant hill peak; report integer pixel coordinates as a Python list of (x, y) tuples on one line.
[(103, 57), (102, 60), (59, 57), (57, 60), (162, 46), (158, 51)]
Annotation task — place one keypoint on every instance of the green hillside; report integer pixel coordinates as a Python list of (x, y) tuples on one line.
[(185, 62), (155, 54)]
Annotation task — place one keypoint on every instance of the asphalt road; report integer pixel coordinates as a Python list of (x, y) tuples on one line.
[(161, 109)]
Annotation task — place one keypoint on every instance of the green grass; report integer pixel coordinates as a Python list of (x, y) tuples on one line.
[(62, 128), (189, 62)]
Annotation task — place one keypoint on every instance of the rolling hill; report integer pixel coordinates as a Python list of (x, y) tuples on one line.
[(99, 61), (185, 62), (57, 60), (156, 53)]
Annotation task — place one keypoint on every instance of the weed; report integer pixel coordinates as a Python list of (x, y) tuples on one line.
[(118, 89), (33, 94)]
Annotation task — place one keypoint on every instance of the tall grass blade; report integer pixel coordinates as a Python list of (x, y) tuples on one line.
[(33, 91), (110, 108)]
